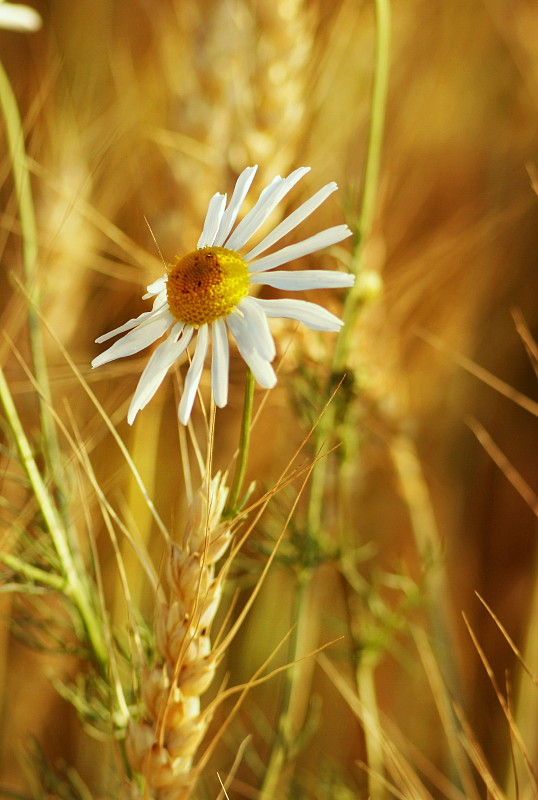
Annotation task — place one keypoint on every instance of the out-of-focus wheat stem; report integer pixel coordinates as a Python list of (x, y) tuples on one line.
[(76, 587), (363, 227), (326, 426), (371, 174), (23, 192), (428, 544), (277, 760), (415, 492), (374, 748), (244, 440)]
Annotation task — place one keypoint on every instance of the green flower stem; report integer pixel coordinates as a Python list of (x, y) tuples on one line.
[(244, 440), (76, 587), (23, 193)]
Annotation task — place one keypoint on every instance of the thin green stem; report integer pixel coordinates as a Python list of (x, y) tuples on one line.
[(21, 178), (365, 221), (23, 193), (371, 173), (364, 227), (314, 509), (365, 677), (76, 586), (377, 116), (31, 573), (327, 424), (272, 778), (244, 441)]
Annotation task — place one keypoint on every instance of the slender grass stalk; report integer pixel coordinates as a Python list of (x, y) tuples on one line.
[(106, 419), (23, 192), (428, 544), (76, 586), (374, 747), (364, 228), (371, 175), (244, 441), (33, 574), (277, 760), (526, 703), (326, 427)]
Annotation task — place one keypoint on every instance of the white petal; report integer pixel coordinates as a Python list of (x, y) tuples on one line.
[(239, 193), (19, 18), (212, 220), (157, 367), (292, 221), (220, 358), (269, 199), (260, 367), (156, 287), (127, 326), (193, 375), (249, 219), (310, 314), (305, 279), (134, 322), (319, 241), (159, 300), (142, 336), (258, 328)]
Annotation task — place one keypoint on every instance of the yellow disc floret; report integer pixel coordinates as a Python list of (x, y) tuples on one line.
[(206, 284)]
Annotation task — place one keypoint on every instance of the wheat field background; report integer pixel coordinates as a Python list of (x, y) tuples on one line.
[(134, 114)]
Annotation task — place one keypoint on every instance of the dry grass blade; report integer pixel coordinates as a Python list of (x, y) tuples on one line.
[(482, 374), (525, 335), (235, 627), (472, 746), (510, 472), (257, 679), (106, 419), (477, 757), (509, 639), (79, 451), (100, 222), (445, 708), (403, 773)]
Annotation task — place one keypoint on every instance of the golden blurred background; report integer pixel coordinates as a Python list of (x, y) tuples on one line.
[(136, 113)]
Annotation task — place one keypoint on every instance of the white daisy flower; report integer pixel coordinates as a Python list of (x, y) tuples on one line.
[(206, 293), (15, 17)]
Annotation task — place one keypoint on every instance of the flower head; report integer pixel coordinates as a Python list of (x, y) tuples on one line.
[(206, 293), (17, 17)]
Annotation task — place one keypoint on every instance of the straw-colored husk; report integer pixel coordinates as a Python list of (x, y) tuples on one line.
[(162, 742)]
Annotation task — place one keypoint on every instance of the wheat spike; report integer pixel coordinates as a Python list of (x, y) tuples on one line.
[(162, 743)]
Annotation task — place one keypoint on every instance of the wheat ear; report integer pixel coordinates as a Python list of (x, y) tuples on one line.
[(162, 743)]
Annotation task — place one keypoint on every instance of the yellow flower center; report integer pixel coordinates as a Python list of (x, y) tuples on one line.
[(206, 284)]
